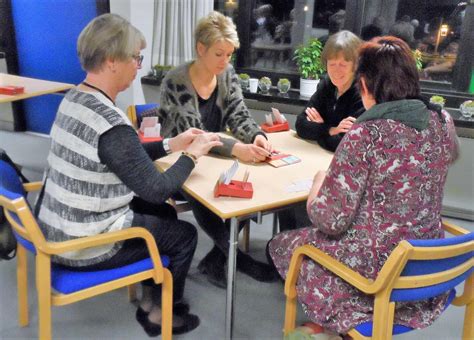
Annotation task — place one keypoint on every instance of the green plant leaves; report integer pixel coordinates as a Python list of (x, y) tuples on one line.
[(308, 58)]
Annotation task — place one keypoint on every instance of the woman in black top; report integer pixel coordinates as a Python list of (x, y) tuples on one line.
[(336, 104), (332, 109)]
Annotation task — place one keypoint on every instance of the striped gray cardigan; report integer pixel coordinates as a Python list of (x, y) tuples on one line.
[(82, 197)]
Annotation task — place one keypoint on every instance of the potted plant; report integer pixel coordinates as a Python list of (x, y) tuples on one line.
[(159, 71), (244, 81), (467, 108), (283, 85), (308, 59), (438, 100), (265, 84)]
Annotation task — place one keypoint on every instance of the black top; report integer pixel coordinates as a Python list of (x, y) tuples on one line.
[(332, 110), (121, 150), (210, 117)]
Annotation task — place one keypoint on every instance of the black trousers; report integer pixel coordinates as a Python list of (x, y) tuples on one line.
[(216, 228), (175, 238)]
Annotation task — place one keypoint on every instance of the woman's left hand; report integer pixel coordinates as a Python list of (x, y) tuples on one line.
[(184, 139), (317, 182), (262, 142)]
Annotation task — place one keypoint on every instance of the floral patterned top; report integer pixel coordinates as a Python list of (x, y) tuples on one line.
[(385, 184)]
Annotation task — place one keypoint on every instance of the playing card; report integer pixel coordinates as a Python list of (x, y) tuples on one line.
[(278, 117), (269, 119), (148, 122)]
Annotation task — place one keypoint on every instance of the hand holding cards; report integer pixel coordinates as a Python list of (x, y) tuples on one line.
[(276, 122), (225, 186), (149, 130)]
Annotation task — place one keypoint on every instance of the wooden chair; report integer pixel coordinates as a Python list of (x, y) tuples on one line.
[(57, 285), (416, 269)]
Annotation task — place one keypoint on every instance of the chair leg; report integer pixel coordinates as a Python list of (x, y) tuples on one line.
[(290, 315), (381, 320), (132, 292), (22, 285), (468, 329), (246, 236), (43, 284), (167, 305)]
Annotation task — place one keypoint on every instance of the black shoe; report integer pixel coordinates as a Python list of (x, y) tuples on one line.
[(190, 322), (213, 266), (179, 309), (259, 271)]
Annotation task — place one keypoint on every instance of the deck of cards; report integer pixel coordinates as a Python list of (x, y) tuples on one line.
[(149, 130), (275, 122), (279, 159)]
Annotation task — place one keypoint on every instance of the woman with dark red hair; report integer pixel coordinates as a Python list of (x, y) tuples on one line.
[(385, 184)]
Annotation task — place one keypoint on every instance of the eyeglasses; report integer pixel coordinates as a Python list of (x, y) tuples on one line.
[(138, 59)]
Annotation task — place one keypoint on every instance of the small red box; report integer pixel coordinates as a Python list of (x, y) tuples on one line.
[(144, 139), (275, 127), (11, 90), (234, 189)]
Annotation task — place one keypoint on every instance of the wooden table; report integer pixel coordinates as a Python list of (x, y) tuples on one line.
[(33, 87), (270, 190)]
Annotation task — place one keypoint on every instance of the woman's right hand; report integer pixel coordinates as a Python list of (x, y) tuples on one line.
[(202, 143), (249, 153), (344, 126), (313, 115)]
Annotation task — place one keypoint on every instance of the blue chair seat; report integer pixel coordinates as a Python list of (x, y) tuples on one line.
[(66, 281), (366, 328)]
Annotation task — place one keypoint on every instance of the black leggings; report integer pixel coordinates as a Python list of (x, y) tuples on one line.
[(217, 229), (175, 238)]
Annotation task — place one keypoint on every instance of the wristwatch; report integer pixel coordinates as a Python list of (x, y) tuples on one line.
[(166, 145)]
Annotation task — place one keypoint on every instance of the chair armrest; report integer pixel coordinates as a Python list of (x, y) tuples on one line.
[(33, 186), (54, 248), (326, 261), (454, 229)]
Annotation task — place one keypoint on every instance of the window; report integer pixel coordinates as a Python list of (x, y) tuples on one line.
[(269, 31)]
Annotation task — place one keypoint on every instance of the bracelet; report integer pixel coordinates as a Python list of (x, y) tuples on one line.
[(190, 155)]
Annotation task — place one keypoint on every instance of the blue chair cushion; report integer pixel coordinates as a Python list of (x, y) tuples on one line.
[(366, 328), (10, 184), (68, 281)]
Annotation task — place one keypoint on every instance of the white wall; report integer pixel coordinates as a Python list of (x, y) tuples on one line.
[(140, 14)]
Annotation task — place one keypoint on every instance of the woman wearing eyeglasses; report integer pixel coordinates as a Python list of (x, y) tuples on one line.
[(100, 178)]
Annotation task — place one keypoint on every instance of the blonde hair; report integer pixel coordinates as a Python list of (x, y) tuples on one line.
[(216, 27), (107, 36), (344, 42)]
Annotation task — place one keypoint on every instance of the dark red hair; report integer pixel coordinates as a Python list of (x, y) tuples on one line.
[(389, 70)]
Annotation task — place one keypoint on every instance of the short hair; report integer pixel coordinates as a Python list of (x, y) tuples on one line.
[(344, 42), (107, 36), (216, 27), (388, 67)]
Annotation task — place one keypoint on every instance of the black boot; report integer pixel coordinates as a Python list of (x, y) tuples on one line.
[(212, 265), (257, 270)]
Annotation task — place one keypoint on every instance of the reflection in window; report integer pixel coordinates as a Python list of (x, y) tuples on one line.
[(435, 31)]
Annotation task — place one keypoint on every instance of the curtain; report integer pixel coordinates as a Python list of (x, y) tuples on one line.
[(173, 31)]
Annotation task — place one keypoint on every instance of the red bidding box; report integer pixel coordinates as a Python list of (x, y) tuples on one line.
[(11, 90), (144, 139), (275, 127), (234, 189)]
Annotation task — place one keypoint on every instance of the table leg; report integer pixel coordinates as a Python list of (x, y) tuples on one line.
[(229, 314)]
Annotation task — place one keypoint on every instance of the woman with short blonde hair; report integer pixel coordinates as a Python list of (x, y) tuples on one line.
[(205, 93), (215, 27)]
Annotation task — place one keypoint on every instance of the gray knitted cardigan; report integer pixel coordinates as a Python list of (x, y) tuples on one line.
[(179, 107)]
